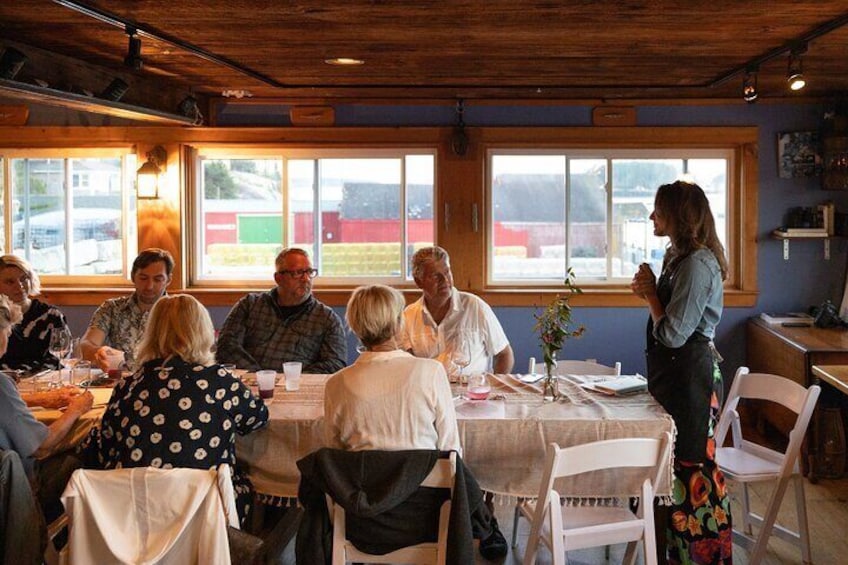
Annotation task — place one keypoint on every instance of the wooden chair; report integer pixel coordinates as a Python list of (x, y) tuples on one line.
[(442, 476), (563, 528), (749, 462)]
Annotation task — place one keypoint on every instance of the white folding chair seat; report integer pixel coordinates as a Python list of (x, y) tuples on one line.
[(564, 528), (442, 475), (747, 462)]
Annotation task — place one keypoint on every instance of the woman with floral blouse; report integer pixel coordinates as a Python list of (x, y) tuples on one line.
[(180, 408)]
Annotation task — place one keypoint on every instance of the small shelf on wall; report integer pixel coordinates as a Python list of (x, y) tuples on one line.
[(787, 237)]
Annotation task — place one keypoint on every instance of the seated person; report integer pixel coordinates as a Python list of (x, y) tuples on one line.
[(32, 440), (287, 323), (117, 325), (435, 324), (30, 339), (180, 408), (389, 400)]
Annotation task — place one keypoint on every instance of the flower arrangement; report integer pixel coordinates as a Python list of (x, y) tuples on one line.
[(554, 325)]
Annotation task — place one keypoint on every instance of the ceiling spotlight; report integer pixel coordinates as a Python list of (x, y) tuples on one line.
[(749, 86), (794, 72), (11, 63), (133, 58), (115, 91), (189, 108)]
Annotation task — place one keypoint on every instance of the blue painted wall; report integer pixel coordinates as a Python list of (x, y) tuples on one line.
[(617, 334)]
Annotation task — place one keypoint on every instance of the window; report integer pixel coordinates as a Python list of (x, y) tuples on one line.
[(360, 214), (589, 210), (71, 212)]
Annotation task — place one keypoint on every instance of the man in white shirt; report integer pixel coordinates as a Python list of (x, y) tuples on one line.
[(451, 326)]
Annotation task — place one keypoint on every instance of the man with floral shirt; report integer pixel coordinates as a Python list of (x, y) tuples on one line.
[(117, 325)]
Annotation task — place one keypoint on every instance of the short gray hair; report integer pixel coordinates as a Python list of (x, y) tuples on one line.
[(425, 255), (10, 313), (281, 256)]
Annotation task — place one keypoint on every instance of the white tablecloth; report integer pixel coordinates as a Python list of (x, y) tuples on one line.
[(504, 439)]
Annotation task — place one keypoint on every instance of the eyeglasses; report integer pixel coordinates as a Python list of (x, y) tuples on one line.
[(311, 273)]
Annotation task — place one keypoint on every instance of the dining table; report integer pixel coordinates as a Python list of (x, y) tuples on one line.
[(504, 438)]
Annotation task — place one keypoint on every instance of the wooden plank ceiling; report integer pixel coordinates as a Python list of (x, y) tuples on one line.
[(622, 50)]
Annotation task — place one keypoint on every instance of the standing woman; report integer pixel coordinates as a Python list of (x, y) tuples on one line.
[(30, 338), (683, 373)]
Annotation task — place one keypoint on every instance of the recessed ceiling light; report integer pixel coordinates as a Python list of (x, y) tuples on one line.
[(344, 61)]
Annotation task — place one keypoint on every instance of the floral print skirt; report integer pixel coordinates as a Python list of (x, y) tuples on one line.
[(699, 530)]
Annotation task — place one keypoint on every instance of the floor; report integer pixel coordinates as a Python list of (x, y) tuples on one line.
[(827, 504)]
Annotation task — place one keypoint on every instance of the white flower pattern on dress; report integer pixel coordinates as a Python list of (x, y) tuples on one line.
[(168, 422)]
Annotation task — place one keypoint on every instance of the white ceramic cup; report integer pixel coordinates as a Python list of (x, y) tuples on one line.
[(292, 371), (266, 379)]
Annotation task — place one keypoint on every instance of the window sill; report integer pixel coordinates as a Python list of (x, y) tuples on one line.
[(591, 298)]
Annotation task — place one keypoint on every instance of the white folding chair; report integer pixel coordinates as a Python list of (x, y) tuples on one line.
[(571, 367), (748, 462), (564, 528), (588, 367), (147, 515), (441, 476)]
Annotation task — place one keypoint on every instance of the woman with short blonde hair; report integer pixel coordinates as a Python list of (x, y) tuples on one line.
[(29, 340), (180, 326), (181, 408), (375, 313)]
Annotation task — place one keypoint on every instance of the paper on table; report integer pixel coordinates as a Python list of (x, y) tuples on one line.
[(613, 385)]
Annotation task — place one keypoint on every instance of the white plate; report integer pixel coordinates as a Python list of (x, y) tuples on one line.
[(531, 378)]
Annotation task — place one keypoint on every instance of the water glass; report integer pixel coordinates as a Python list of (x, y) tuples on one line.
[(292, 371), (81, 372), (266, 379)]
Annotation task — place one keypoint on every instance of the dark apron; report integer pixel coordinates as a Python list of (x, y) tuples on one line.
[(681, 379)]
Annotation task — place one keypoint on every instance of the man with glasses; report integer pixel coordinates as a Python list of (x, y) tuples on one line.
[(286, 323)]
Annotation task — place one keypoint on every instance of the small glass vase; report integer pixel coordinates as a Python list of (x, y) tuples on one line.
[(550, 384)]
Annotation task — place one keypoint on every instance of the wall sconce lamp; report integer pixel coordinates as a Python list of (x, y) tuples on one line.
[(794, 71), (749, 85), (147, 177)]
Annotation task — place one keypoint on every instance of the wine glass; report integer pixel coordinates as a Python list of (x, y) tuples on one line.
[(60, 345), (74, 355), (461, 355), (478, 386)]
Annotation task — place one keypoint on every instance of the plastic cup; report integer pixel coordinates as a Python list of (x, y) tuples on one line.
[(292, 371), (266, 379), (81, 373)]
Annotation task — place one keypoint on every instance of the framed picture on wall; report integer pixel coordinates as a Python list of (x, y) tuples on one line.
[(798, 154)]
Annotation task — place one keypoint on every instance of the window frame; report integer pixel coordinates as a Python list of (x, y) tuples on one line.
[(742, 224), (128, 157), (607, 155), (200, 151)]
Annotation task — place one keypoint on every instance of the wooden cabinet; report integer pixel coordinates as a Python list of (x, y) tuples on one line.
[(791, 352)]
